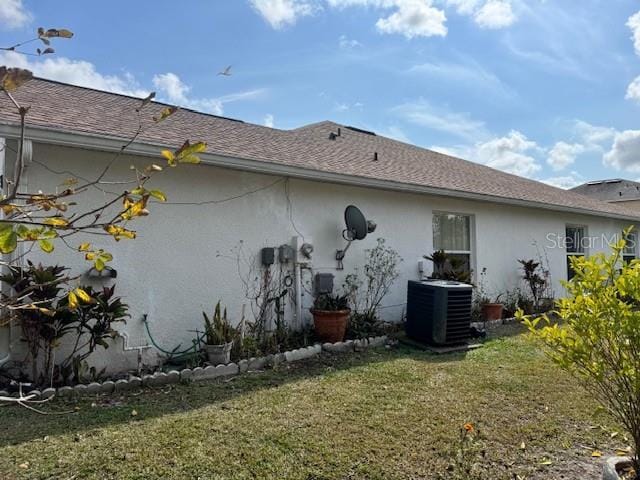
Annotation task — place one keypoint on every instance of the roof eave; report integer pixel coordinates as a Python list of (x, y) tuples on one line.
[(114, 144)]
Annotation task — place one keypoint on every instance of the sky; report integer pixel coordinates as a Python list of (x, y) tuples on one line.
[(546, 89)]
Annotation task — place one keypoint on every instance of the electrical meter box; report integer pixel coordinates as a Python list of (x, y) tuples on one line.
[(323, 283), (268, 255), (286, 253)]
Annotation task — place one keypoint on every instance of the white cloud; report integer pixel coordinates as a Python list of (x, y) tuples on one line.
[(464, 7), (76, 72), (625, 151), (466, 72), (411, 18), (509, 153), (363, 3), (564, 154), (84, 74), (565, 182), (634, 24), (172, 86), (495, 14), (395, 133), (282, 13), (268, 120), (348, 43), (633, 91), (593, 136), (13, 14), (414, 18), (457, 124), (512, 153), (176, 91), (491, 14)]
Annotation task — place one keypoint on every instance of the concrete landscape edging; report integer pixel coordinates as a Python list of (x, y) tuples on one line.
[(210, 372), (609, 471)]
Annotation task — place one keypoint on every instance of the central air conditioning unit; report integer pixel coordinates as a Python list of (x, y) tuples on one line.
[(439, 312)]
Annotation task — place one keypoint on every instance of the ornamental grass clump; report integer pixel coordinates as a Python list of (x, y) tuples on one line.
[(598, 339)]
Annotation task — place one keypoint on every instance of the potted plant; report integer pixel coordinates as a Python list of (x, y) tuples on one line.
[(490, 309), (219, 335), (330, 316), (447, 267), (439, 259)]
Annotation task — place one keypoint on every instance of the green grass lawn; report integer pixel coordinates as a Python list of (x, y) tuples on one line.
[(380, 414)]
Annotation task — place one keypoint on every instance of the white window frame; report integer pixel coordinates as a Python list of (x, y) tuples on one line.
[(472, 236), (634, 255), (585, 248)]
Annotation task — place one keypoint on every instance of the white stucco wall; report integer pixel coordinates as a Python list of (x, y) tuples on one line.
[(182, 261)]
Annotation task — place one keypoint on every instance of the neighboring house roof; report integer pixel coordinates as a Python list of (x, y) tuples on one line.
[(612, 190), (355, 157)]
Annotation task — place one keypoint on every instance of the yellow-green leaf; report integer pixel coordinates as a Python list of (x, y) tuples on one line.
[(165, 113), (169, 156), (82, 295), (8, 238), (99, 264), (46, 246), (188, 152), (107, 257), (12, 78), (56, 221), (70, 181), (84, 247), (73, 300), (158, 195)]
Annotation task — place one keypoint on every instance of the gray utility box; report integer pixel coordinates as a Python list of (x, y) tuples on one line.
[(439, 312)]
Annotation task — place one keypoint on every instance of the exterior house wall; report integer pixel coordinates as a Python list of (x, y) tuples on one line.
[(185, 256)]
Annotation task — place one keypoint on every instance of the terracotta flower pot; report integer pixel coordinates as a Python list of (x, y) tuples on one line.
[(219, 354), (330, 325), (492, 311)]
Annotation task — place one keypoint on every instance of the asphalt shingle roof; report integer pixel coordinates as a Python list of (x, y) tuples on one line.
[(69, 108), (613, 190)]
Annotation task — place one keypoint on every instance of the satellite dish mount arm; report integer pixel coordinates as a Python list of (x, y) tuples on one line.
[(340, 254), (357, 229)]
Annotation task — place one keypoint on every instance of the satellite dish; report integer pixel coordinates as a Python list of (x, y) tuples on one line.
[(356, 224), (357, 229)]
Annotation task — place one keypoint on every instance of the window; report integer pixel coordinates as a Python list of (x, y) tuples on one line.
[(631, 248), (575, 239), (452, 233)]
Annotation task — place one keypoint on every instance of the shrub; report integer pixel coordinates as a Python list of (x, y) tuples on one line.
[(40, 288), (53, 314), (217, 329), (537, 280), (92, 325), (449, 267), (331, 302), (380, 271), (600, 340)]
